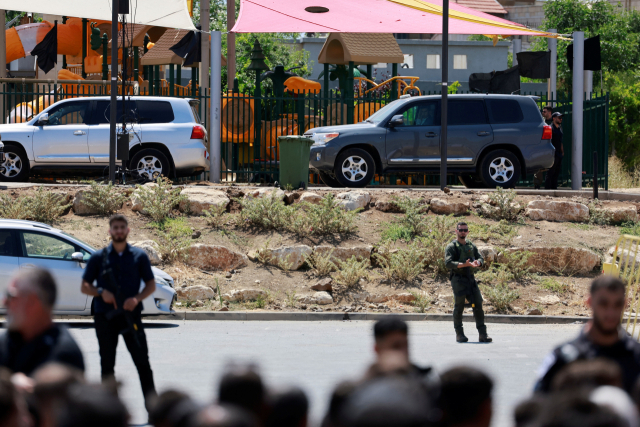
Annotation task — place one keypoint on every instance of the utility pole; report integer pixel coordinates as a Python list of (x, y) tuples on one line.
[(214, 121), (445, 92), (231, 43), (114, 90), (553, 80), (576, 110)]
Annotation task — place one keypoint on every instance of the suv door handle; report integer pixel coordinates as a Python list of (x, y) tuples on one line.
[(484, 133), (431, 135), (79, 132)]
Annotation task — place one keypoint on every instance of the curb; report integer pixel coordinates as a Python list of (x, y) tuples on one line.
[(339, 316)]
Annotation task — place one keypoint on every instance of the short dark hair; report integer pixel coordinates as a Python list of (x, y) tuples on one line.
[(529, 410), (463, 391), (576, 410), (92, 405), (242, 386), (288, 408), (169, 406), (548, 108), (41, 282), (8, 395), (609, 283), (587, 375), (388, 325), (118, 218), (461, 223)]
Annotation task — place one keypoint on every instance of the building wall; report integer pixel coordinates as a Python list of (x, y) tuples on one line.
[(529, 14)]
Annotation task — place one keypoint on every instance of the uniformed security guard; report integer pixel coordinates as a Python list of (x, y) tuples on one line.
[(118, 270), (461, 257)]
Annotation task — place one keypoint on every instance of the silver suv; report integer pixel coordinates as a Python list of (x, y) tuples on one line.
[(72, 137), (28, 244)]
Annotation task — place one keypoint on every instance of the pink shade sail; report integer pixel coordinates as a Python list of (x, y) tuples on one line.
[(363, 16)]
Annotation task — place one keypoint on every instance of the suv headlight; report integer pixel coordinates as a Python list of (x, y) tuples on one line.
[(323, 138)]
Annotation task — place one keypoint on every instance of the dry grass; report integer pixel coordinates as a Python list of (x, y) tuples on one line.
[(620, 176)]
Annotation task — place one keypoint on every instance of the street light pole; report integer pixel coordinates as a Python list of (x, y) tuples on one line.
[(445, 88), (114, 89)]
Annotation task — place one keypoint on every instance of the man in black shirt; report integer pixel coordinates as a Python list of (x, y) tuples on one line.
[(602, 337), (118, 270), (556, 140), (32, 339)]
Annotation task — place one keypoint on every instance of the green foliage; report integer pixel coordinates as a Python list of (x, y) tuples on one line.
[(322, 265), (500, 296), (413, 223), (502, 205), (159, 200), (394, 231), (624, 126), (503, 232), (324, 218), (404, 264), (104, 199), (422, 301), (43, 206), (290, 299), (516, 263), (620, 176), (553, 285), (214, 216), (631, 228), (597, 215), (174, 240), (351, 271), (453, 87), (266, 212), (437, 236)]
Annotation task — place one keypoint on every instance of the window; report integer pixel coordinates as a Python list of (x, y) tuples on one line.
[(155, 112), (69, 113), (459, 62), (44, 246), (433, 62), (408, 62), (103, 111), (422, 114), (504, 111), (380, 65), (7, 243), (466, 113)]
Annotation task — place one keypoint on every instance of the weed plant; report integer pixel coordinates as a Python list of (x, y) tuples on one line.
[(104, 199), (214, 216), (437, 237), (324, 218), (597, 215), (322, 265), (500, 296), (403, 264), (351, 271), (268, 212), (422, 301), (43, 206), (159, 200), (502, 205), (554, 286), (174, 239)]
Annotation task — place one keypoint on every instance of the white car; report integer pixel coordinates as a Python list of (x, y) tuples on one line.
[(27, 244), (72, 137)]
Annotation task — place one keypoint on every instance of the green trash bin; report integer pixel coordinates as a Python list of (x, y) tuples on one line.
[(294, 160)]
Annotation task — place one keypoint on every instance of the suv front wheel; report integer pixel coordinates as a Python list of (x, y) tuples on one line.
[(15, 167), (354, 167), (500, 168)]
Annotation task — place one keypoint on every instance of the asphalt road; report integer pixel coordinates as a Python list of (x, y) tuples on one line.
[(191, 356)]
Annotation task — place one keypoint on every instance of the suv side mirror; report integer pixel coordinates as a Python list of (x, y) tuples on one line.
[(43, 119), (397, 120), (77, 256)]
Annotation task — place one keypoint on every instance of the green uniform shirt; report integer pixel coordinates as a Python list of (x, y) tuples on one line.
[(466, 251)]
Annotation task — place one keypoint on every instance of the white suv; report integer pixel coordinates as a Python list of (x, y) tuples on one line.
[(28, 244), (72, 137)]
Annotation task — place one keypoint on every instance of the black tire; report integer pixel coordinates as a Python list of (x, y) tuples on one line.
[(500, 168), (471, 181), (150, 163), (15, 167), (329, 180), (354, 168)]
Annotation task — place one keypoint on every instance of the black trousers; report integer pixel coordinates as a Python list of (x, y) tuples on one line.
[(108, 331), (553, 174)]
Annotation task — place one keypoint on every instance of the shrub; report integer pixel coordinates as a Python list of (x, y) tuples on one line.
[(598, 216), (516, 263), (159, 200), (290, 299), (43, 206), (266, 212), (437, 237), (214, 216), (500, 296), (403, 264), (412, 219), (324, 218), (502, 205), (632, 228), (351, 271), (14, 209), (394, 231), (174, 240), (104, 199), (322, 265), (620, 176), (554, 286), (422, 301)]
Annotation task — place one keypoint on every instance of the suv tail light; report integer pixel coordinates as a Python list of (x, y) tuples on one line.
[(198, 132), (546, 133)]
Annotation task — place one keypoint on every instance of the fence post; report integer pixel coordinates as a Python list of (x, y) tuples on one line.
[(171, 80), (214, 120), (326, 93), (350, 95), (576, 109), (105, 64), (595, 175)]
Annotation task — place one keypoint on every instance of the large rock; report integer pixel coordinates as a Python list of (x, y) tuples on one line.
[(213, 257), (319, 298), (244, 295), (200, 199), (151, 249), (561, 259), (352, 200), (390, 206), (265, 192), (360, 252), (446, 207), (548, 300), (404, 297), (80, 206), (323, 285), (377, 298), (621, 214), (294, 255), (489, 254), (561, 211), (197, 292), (313, 198), (136, 202)]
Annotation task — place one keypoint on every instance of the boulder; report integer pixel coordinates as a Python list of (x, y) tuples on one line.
[(214, 257), (150, 248), (383, 206), (80, 206), (265, 192), (620, 214), (197, 292), (244, 295), (352, 200), (377, 298), (323, 285), (548, 300), (200, 199), (405, 297), (534, 312), (359, 296), (448, 207), (295, 255), (360, 252), (136, 203), (311, 198), (489, 254), (563, 259), (560, 211), (624, 258), (319, 298)]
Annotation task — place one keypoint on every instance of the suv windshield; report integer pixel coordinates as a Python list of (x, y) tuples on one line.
[(81, 241), (379, 115)]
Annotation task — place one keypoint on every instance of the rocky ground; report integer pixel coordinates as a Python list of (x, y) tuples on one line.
[(567, 250)]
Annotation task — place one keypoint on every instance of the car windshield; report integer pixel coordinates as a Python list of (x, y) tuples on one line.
[(380, 115), (84, 243)]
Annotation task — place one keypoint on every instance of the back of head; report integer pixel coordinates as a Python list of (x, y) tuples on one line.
[(588, 374), (388, 325), (526, 412), (40, 282), (575, 410), (288, 408), (618, 401), (8, 398), (242, 386), (609, 283), (338, 399), (388, 401), (464, 392), (92, 405), (171, 408), (223, 416)]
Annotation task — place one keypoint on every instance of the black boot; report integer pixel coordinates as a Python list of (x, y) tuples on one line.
[(460, 337), (485, 338)]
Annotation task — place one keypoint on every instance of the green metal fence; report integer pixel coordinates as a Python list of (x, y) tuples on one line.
[(250, 125)]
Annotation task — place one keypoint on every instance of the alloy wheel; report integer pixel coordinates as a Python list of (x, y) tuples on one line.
[(149, 167), (12, 165), (501, 170), (354, 168)]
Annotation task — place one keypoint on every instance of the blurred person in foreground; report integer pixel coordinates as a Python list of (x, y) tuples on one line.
[(13, 408), (118, 270), (242, 386), (32, 339), (465, 398), (223, 416), (51, 391), (288, 408), (601, 337), (574, 410), (92, 406), (173, 408)]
